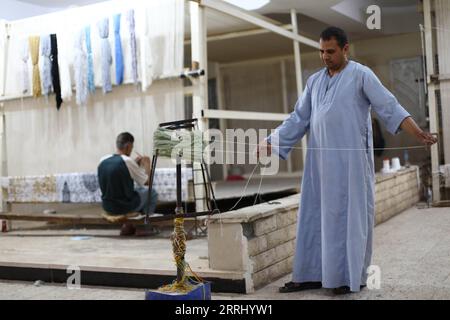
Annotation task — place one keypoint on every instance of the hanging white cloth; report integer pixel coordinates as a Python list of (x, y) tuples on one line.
[(65, 57), (80, 68), (162, 40), (132, 33), (25, 57)]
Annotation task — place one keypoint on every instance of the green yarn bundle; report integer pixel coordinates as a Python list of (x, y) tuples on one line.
[(188, 144)]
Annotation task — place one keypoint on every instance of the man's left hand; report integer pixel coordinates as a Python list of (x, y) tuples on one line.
[(426, 138)]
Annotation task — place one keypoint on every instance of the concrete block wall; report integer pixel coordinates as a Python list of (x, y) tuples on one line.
[(259, 241), (271, 250), (395, 193)]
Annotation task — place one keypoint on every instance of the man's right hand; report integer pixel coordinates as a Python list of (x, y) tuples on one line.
[(146, 163), (138, 160), (264, 148)]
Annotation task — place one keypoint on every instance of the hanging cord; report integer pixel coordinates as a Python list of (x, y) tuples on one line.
[(186, 283)]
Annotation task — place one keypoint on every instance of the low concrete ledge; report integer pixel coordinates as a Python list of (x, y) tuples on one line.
[(259, 241)]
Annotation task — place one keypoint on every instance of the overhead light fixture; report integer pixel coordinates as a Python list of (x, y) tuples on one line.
[(249, 4)]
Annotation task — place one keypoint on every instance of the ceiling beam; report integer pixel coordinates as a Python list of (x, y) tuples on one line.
[(256, 19), (238, 34)]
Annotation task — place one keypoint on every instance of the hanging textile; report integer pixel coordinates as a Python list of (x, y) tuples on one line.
[(80, 69), (55, 70), (46, 74), (118, 50), (132, 29), (25, 74), (103, 29), (65, 56), (162, 41), (90, 75), (34, 52), (146, 57)]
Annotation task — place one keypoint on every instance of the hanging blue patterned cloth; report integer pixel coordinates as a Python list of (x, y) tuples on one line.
[(132, 28), (118, 51), (103, 29), (46, 75), (91, 83)]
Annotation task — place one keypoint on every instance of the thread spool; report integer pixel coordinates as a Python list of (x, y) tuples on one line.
[(386, 166), (396, 164)]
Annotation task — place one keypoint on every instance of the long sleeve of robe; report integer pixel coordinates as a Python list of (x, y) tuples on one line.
[(336, 215)]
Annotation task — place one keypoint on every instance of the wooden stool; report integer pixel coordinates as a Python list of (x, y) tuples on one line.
[(115, 218)]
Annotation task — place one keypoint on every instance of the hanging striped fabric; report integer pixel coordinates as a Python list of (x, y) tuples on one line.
[(25, 74), (132, 29), (118, 50), (90, 75), (33, 43)]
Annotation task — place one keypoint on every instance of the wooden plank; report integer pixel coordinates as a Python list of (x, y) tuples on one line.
[(56, 218), (95, 219)]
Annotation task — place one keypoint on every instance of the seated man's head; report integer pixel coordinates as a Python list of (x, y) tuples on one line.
[(124, 143)]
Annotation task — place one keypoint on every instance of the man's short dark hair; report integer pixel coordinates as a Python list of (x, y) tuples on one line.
[(336, 33), (123, 139)]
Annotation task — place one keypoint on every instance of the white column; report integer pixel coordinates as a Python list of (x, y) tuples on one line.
[(431, 98), (221, 106), (442, 9), (3, 157), (298, 73), (200, 84), (284, 92)]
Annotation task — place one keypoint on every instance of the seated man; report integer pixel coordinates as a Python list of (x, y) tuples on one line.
[(117, 174)]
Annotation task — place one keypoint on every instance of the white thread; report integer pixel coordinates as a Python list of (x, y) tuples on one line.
[(245, 188), (335, 149)]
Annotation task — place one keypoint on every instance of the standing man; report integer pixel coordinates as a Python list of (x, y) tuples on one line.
[(336, 217), (117, 175)]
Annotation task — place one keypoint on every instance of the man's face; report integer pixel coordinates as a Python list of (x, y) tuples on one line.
[(331, 54)]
